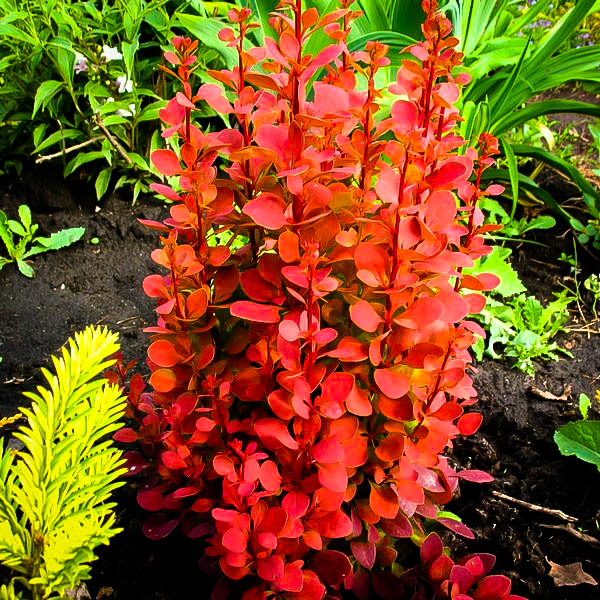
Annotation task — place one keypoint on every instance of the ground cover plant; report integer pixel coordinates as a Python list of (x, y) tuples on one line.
[(310, 363), (21, 242)]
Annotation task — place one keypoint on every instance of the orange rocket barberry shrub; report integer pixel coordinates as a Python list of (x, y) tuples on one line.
[(311, 355)]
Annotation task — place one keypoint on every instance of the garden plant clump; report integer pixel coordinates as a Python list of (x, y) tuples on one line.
[(310, 363)]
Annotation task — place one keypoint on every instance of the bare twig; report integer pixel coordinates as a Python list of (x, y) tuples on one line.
[(46, 157), (114, 141), (536, 507), (584, 537), (546, 395)]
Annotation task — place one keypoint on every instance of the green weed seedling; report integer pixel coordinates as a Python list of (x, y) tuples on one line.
[(21, 242), (521, 324), (581, 438)]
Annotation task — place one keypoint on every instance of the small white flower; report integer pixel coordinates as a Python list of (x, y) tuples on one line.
[(109, 53), (124, 84), (80, 63), (126, 113), (110, 99)]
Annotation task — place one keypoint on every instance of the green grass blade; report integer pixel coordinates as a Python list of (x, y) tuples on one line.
[(513, 171), (544, 107)]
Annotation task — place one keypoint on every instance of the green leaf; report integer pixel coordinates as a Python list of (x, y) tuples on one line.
[(81, 159), (55, 241), (562, 166), (102, 182), (555, 38), (25, 216), (537, 109), (150, 112), (129, 50), (25, 268), (45, 93), (580, 438), (513, 171), (584, 405), (497, 262)]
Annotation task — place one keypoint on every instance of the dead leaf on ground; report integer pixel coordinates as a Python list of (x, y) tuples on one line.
[(572, 574)]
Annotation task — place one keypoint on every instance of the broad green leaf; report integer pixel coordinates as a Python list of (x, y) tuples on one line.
[(581, 439), (25, 216), (81, 159), (25, 268), (497, 262), (45, 93), (102, 182), (55, 241)]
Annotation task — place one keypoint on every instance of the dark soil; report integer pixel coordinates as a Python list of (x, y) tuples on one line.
[(101, 283)]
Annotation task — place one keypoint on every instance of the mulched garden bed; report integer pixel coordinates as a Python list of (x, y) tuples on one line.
[(101, 283)]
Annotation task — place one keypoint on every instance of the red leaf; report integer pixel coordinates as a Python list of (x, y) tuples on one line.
[(457, 527), (384, 501), (293, 579), (158, 526), (172, 460), (328, 451), (270, 568), (126, 435), (365, 316), (289, 247), (425, 310), (364, 552), (475, 475), (350, 349), (235, 540), (336, 524), (162, 353), (163, 380), (266, 211), (448, 173), (392, 383), (469, 423), (331, 566), (166, 162), (400, 527), (273, 433), (269, 476), (296, 504), (410, 491), (492, 587), (196, 304), (358, 402), (253, 311), (333, 477), (391, 447), (431, 548), (151, 500)]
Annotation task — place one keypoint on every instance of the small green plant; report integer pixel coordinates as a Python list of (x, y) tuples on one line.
[(22, 243), (592, 284), (581, 438), (513, 228), (54, 507), (524, 326)]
